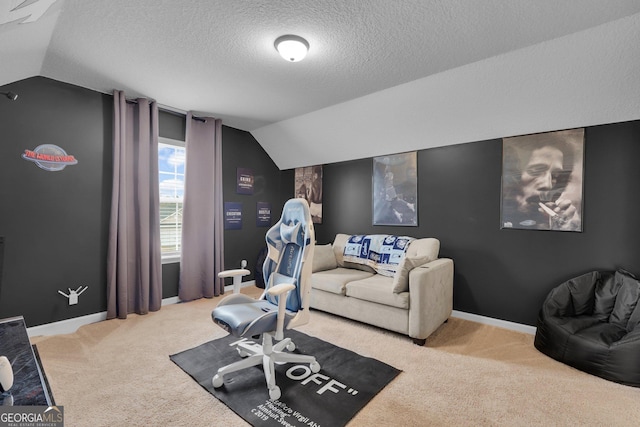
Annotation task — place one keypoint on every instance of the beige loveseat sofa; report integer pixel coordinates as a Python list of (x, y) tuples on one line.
[(414, 302)]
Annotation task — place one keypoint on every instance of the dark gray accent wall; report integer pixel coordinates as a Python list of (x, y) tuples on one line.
[(504, 274), (241, 150), (54, 223), (172, 125)]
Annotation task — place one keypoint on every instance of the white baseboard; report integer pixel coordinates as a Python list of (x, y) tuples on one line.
[(172, 300), (69, 326), (519, 327)]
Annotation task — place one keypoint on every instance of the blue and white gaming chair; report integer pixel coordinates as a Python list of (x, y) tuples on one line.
[(284, 303)]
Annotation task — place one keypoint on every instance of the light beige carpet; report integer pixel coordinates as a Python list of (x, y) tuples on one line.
[(118, 373)]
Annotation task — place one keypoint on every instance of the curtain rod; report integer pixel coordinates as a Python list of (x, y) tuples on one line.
[(170, 109), (163, 107), (179, 111)]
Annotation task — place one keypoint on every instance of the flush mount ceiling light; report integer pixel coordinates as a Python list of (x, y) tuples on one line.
[(292, 48)]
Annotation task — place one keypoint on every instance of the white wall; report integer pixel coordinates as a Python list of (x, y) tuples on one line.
[(587, 78)]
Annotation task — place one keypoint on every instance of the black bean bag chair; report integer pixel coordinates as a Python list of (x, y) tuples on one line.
[(592, 322)]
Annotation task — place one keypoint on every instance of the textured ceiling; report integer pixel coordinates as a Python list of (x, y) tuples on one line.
[(216, 57)]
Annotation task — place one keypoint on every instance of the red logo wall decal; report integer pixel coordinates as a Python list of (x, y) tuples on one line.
[(49, 157)]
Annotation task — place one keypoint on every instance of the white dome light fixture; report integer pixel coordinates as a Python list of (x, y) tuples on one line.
[(292, 48)]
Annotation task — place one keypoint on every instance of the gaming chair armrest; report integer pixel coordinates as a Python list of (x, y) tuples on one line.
[(237, 275), (235, 272), (281, 290)]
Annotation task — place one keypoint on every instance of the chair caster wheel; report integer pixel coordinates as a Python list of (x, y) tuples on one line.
[(291, 346), (243, 353), (217, 381), (315, 367), (274, 393)]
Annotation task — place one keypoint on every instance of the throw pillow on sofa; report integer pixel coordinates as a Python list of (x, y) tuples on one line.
[(420, 252), (401, 278), (323, 258)]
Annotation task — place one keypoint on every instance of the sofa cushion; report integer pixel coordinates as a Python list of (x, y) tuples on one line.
[(334, 281), (323, 258), (361, 267), (419, 252), (378, 289)]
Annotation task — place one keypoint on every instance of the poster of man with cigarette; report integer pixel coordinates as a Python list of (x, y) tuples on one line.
[(542, 178)]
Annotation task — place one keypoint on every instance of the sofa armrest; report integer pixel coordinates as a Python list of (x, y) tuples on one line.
[(430, 297)]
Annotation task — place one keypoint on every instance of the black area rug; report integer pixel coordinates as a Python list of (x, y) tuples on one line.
[(346, 382)]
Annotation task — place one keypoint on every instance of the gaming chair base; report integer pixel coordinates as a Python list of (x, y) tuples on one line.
[(266, 355)]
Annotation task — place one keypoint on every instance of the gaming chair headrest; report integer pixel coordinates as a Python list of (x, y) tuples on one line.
[(292, 234), (294, 211)]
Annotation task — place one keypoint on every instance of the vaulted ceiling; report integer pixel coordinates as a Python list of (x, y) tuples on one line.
[(381, 76)]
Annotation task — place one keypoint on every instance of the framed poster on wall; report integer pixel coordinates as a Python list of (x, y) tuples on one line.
[(232, 216), (542, 178), (244, 182), (308, 186), (395, 189), (263, 214)]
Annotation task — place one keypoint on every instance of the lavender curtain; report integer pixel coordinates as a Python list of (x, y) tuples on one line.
[(134, 264), (202, 256)]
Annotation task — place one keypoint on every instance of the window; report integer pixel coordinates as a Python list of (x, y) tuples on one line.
[(171, 167)]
